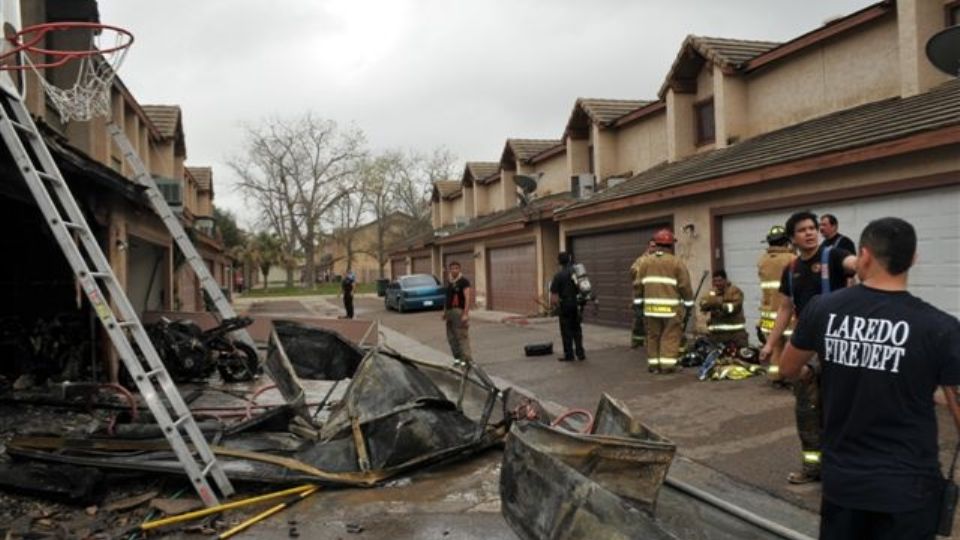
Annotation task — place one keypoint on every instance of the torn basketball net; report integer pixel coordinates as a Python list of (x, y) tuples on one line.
[(89, 95)]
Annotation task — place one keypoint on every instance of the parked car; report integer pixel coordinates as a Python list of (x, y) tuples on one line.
[(417, 291)]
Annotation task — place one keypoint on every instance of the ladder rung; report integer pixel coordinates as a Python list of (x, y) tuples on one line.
[(101, 275), (207, 468), (180, 421), (75, 226), (24, 128), (49, 177), (125, 324), (153, 373)]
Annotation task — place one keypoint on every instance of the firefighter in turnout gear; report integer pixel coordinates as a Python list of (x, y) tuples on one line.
[(638, 334), (663, 283), (770, 267), (724, 303)]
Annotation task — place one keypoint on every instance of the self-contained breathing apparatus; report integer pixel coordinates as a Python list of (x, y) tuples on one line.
[(585, 292)]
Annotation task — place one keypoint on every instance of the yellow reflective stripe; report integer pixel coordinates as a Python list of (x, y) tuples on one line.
[(662, 301), (769, 284), (811, 457), (658, 279), (637, 301), (659, 315), (724, 327), (768, 314), (653, 361), (787, 333), (729, 306), (773, 370), (668, 362), (688, 303)]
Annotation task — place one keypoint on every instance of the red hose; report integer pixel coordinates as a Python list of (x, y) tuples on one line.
[(131, 399), (253, 399), (572, 412)]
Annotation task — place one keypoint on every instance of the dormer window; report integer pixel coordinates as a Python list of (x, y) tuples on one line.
[(706, 127)]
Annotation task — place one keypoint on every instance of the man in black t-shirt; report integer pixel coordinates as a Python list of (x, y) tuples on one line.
[(817, 270), (563, 298), (346, 288), (456, 313), (883, 353)]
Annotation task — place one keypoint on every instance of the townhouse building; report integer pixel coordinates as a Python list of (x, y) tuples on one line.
[(849, 118)]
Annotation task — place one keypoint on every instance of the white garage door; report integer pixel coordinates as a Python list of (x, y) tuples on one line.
[(935, 214)]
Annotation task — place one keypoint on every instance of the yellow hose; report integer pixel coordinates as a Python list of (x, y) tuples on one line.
[(157, 523)]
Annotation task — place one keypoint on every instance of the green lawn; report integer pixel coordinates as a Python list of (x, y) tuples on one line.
[(321, 288)]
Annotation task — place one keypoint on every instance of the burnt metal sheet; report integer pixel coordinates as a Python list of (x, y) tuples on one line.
[(317, 353), (556, 484)]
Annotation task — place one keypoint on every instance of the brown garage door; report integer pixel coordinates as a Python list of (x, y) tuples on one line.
[(608, 257), (465, 258), (512, 281), (398, 267), (421, 265)]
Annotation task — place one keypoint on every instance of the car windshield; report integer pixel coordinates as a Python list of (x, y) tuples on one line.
[(419, 281)]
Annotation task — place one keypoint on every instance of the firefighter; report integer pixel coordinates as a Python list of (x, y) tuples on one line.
[(637, 335), (724, 304), (663, 283), (770, 267)]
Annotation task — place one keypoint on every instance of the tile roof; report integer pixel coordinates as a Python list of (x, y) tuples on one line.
[(514, 215), (446, 188), (482, 169), (607, 111), (865, 125), (729, 52), (524, 149), (203, 176), (164, 117)]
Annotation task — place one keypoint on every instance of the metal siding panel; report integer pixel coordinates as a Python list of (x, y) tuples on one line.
[(512, 283)]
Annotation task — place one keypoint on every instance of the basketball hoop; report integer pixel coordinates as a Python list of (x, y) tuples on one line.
[(89, 95)]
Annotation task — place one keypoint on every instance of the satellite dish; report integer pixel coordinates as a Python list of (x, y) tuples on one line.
[(527, 184), (943, 50)]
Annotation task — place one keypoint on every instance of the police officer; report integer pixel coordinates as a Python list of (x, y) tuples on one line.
[(565, 299), (724, 304), (770, 268), (638, 335), (662, 281)]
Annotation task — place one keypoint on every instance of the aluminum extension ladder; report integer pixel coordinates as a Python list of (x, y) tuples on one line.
[(142, 177), (91, 268)]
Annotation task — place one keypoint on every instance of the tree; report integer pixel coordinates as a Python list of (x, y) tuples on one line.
[(264, 252), (345, 218), (226, 222), (295, 171), (412, 181)]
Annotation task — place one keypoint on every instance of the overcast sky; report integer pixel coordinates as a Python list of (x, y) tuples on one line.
[(418, 73)]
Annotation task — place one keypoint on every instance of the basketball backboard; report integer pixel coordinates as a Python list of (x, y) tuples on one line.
[(10, 23)]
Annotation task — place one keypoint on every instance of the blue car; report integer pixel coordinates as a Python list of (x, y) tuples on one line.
[(417, 291)]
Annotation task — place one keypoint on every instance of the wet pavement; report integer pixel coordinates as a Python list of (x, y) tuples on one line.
[(741, 429)]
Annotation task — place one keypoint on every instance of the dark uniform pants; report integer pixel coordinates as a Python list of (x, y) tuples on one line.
[(458, 335), (739, 337), (841, 523), (348, 305), (571, 333), (809, 422), (638, 334), (663, 343)]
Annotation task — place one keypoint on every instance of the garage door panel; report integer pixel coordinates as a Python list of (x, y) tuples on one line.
[(421, 265), (608, 257), (934, 213), (466, 260), (398, 267), (511, 284)]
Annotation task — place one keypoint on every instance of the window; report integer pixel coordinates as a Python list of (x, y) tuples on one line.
[(706, 128), (952, 10)]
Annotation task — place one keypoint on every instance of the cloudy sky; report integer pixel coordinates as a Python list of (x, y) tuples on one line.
[(418, 73)]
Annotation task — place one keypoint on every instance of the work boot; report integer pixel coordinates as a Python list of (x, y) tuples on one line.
[(803, 477), (564, 359)]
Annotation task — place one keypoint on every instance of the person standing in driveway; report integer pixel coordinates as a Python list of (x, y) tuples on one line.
[(346, 288), (883, 353), (456, 313), (818, 270), (563, 299)]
